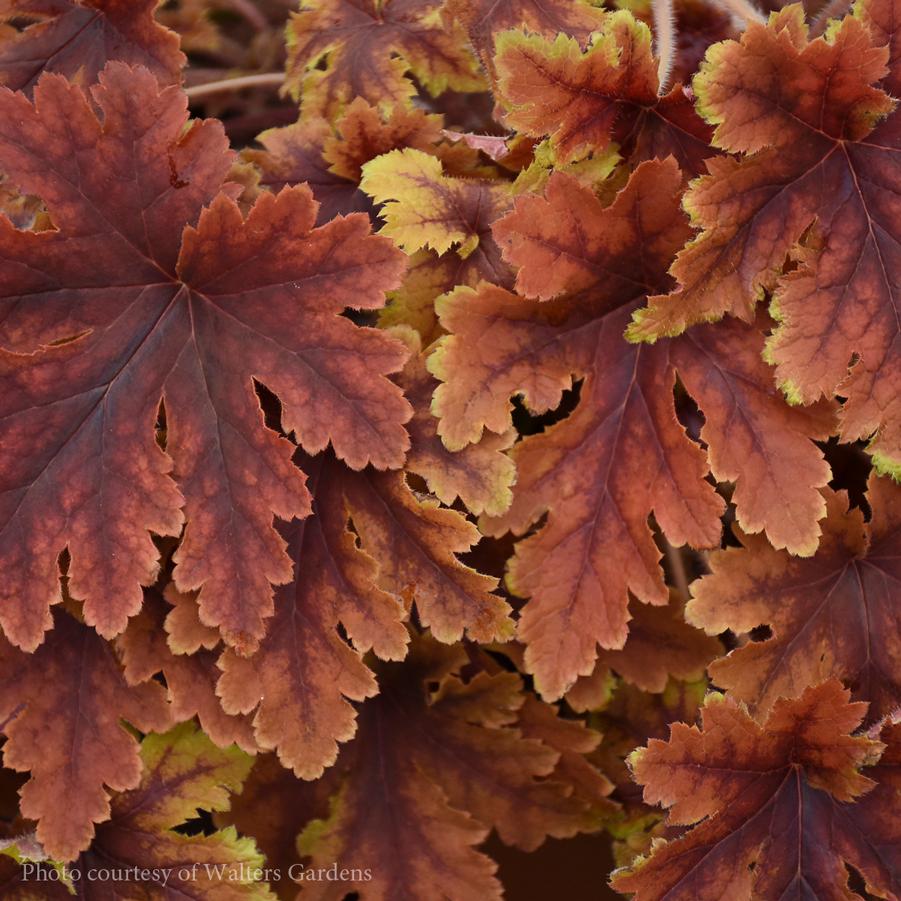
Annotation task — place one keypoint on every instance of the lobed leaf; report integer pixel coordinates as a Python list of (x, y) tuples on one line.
[(403, 549), (369, 47), (417, 544), (587, 100), (299, 683), (661, 646), (77, 38), (621, 454), (816, 182), (424, 208), (432, 770), (138, 854), (71, 738), (190, 677), (771, 806), (832, 615), (184, 305), (481, 474)]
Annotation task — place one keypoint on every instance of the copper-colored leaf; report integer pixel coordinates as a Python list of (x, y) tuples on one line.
[(190, 677), (586, 100), (416, 543), (621, 454), (817, 180), (138, 853), (433, 769), (144, 297), (835, 614), (61, 709), (773, 803), (299, 683), (369, 47), (629, 717), (660, 645), (481, 474), (78, 37)]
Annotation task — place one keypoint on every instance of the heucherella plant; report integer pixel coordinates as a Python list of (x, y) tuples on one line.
[(433, 427)]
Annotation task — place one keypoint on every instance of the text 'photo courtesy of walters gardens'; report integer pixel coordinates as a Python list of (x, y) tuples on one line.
[(209, 873), (450, 450)]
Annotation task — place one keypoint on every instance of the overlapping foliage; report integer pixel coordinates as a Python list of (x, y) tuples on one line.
[(432, 428)]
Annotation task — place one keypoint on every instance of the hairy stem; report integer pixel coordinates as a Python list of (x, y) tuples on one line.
[(834, 9), (664, 41), (743, 12), (263, 80)]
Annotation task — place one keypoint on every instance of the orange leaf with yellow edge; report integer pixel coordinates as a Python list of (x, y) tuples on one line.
[(330, 159), (484, 20), (621, 454), (816, 180), (587, 100), (370, 48)]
